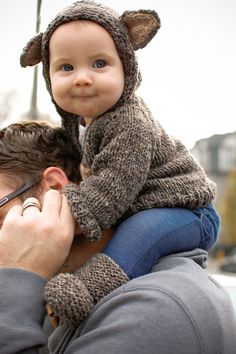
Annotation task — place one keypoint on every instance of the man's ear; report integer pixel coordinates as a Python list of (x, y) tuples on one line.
[(31, 54), (55, 178), (142, 26)]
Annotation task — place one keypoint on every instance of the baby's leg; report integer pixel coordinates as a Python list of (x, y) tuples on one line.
[(139, 241), (136, 245)]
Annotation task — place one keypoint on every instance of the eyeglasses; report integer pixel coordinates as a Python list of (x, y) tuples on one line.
[(18, 192)]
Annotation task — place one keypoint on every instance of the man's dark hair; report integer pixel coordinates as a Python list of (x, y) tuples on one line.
[(28, 148)]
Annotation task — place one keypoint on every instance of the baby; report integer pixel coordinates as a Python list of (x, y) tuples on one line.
[(136, 178)]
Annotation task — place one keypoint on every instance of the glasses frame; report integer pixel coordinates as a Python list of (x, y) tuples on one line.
[(26, 186)]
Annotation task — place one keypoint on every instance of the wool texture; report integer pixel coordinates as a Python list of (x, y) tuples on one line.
[(68, 298), (139, 166), (72, 296), (131, 163)]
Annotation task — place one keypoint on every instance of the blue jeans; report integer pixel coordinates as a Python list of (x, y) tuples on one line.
[(139, 241)]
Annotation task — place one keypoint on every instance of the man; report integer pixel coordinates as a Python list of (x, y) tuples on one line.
[(177, 308)]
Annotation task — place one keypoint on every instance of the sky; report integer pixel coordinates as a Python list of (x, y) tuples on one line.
[(188, 69)]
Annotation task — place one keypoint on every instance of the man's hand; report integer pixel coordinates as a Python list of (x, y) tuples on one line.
[(38, 241)]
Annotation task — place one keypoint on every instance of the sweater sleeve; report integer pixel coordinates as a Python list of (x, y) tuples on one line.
[(119, 172), (22, 311)]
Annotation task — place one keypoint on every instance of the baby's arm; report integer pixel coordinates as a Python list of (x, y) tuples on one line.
[(119, 172)]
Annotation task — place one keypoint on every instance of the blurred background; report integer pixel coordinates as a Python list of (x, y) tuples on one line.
[(189, 82)]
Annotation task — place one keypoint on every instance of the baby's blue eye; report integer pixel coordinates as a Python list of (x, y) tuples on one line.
[(99, 64), (67, 67)]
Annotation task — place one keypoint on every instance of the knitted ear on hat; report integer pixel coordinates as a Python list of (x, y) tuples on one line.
[(31, 54), (142, 26)]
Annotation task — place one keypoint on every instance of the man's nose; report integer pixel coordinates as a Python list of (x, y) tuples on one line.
[(83, 78)]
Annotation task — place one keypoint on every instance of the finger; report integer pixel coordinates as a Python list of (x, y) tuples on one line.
[(51, 203), (14, 212), (65, 212), (67, 221), (31, 206)]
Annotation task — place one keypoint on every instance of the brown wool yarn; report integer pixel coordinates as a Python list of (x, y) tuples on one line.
[(131, 163), (134, 164)]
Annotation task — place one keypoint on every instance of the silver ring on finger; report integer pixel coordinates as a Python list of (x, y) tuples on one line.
[(31, 202)]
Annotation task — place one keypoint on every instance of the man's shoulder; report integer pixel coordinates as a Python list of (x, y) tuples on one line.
[(177, 279), (176, 309), (176, 302)]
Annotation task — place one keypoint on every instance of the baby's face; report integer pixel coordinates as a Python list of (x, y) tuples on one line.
[(86, 72)]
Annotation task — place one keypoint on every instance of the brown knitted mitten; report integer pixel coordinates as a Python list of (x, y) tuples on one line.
[(72, 296)]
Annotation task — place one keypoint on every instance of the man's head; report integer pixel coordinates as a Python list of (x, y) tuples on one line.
[(38, 152), (27, 150)]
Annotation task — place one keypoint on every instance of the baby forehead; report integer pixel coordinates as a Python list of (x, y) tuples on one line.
[(80, 26), (77, 32)]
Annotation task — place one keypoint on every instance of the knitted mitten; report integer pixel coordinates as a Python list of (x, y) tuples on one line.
[(72, 296)]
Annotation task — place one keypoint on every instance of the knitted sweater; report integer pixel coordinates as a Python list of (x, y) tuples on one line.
[(129, 161), (132, 164)]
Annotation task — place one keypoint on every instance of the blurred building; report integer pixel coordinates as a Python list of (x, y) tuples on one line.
[(217, 155)]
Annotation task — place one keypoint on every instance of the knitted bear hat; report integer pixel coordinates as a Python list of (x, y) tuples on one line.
[(130, 31)]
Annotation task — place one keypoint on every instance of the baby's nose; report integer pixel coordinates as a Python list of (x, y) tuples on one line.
[(83, 78)]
